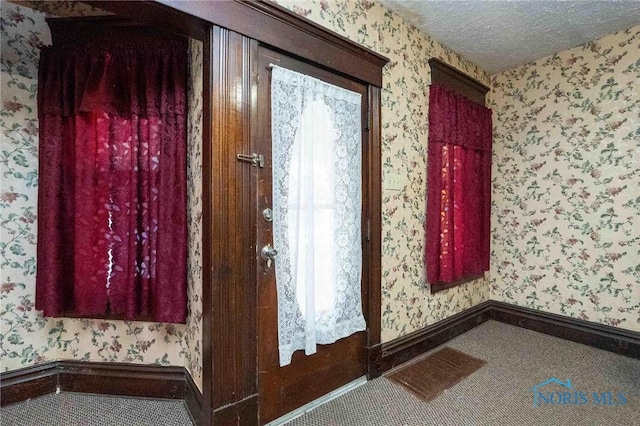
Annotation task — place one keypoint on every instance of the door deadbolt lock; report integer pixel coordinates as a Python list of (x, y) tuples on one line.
[(267, 215)]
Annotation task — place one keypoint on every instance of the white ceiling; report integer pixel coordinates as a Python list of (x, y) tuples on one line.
[(498, 35)]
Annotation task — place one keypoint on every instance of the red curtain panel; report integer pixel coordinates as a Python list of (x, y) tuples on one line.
[(112, 233), (458, 189)]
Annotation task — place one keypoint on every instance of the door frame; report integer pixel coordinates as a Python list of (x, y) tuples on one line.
[(231, 31), (347, 357), (372, 205)]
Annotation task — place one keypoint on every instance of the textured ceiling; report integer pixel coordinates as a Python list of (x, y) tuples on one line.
[(498, 35)]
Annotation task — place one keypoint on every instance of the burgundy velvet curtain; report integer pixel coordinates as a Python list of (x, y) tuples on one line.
[(459, 188), (112, 182)]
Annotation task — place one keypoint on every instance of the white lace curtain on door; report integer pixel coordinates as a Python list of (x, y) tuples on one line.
[(317, 181)]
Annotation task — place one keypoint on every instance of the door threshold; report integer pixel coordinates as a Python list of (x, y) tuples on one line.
[(318, 402)]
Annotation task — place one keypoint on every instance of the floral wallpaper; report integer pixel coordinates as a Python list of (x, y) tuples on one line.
[(566, 185), (193, 332), (565, 204), (26, 337), (407, 304)]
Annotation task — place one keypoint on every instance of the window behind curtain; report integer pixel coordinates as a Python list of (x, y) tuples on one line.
[(459, 181), (112, 199), (317, 204)]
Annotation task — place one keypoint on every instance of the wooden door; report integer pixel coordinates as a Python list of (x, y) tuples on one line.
[(283, 389)]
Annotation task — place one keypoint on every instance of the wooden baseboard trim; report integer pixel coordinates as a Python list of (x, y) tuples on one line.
[(608, 338), (243, 412), (374, 361), (388, 355), (149, 381), (175, 383), (405, 348), (193, 398), (29, 382)]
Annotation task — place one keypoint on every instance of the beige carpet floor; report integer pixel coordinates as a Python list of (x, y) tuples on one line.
[(500, 393), (76, 409)]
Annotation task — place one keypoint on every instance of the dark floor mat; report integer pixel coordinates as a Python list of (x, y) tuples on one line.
[(430, 376)]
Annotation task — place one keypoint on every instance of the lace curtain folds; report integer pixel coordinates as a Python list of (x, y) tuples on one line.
[(112, 198), (317, 181), (459, 189)]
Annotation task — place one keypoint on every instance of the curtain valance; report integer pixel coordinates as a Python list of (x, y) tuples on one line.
[(119, 79), (457, 121)]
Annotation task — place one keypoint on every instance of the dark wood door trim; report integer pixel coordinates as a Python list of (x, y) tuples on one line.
[(372, 277), (233, 295), (276, 26), (207, 226), (264, 21)]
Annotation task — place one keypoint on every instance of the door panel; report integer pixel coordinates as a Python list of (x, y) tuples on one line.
[(283, 389)]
